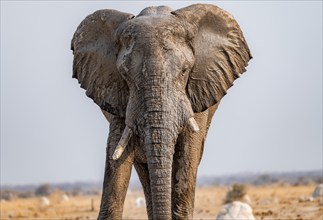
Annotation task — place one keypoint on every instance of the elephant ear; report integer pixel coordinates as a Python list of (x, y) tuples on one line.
[(94, 63), (221, 53)]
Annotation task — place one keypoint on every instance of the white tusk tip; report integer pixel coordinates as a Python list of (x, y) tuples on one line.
[(193, 125), (126, 135), (118, 152)]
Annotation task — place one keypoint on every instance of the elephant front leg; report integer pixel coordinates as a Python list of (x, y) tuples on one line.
[(184, 182), (188, 154), (116, 176)]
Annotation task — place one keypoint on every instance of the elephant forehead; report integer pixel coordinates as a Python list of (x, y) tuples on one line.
[(151, 25), (160, 10)]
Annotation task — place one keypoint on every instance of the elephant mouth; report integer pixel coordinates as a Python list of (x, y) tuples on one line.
[(127, 133)]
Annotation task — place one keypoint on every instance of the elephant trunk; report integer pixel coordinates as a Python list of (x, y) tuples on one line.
[(162, 116), (160, 144)]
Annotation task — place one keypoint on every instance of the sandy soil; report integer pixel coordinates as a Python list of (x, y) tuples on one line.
[(270, 202)]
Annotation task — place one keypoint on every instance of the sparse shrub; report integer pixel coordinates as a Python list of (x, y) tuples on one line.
[(43, 190), (26, 194), (92, 192), (77, 191), (303, 181), (8, 194), (264, 179), (236, 193), (318, 180)]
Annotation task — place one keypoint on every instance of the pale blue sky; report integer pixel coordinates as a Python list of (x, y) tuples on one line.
[(270, 120)]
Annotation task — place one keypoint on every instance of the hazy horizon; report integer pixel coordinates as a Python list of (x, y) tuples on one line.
[(270, 120)]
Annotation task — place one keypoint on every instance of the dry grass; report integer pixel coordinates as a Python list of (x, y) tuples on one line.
[(269, 202)]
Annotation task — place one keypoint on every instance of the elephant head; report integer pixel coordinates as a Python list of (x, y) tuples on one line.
[(156, 70)]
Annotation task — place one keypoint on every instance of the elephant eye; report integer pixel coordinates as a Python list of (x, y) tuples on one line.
[(167, 47), (184, 71)]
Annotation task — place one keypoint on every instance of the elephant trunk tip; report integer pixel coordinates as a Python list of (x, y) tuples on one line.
[(126, 135)]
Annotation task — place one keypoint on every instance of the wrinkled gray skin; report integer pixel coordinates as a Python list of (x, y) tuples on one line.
[(152, 73)]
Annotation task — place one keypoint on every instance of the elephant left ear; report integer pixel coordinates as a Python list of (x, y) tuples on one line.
[(221, 53)]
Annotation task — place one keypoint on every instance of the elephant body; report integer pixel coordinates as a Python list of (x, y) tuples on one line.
[(187, 156), (158, 79)]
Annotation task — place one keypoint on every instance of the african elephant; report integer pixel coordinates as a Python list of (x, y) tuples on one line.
[(158, 78)]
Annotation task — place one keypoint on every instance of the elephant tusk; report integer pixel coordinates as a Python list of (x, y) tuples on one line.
[(126, 135), (193, 125)]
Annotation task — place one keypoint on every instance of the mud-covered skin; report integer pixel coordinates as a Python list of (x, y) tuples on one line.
[(157, 75)]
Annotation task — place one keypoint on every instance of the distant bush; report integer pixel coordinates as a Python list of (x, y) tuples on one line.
[(318, 180), (26, 194), (92, 192), (8, 194), (77, 191), (303, 181), (43, 190), (265, 179), (236, 193)]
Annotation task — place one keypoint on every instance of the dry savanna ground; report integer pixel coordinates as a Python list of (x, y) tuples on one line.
[(268, 202)]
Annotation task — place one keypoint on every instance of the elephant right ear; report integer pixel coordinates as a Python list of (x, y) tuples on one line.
[(94, 63)]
